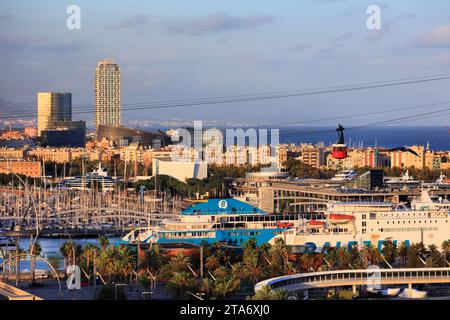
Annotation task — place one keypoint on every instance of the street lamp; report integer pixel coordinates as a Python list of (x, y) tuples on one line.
[(115, 289)]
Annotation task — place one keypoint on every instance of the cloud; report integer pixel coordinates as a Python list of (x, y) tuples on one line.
[(5, 16), (336, 43), (437, 38), (387, 27), (300, 47), (38, 43), (343, 37), (443, 58), (216, 23), (132, 21)]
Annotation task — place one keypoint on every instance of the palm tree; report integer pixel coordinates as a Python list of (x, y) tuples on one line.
[(115, 262), (389, 251), (415, 254), (66, 251), (359, 259), (179, 262), (371, 256), (266, 293), (435, 258), (222, 272), (279, 257), (237, 269), (207, 287), (212, 263), (253, 269), (154, 259), (342, 258), (89, 252), (103, 241), (446, 248), (34, 250), (178, 284), (403, 253), (226, 286)]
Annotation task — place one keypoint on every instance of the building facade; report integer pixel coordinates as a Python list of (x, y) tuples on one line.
[(65, 134), (107, 94), (22, 167), (403, 159), (53, 107), (313, 156), (180, 170)]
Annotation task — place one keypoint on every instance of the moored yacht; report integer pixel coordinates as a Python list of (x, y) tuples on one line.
[(345, 175)]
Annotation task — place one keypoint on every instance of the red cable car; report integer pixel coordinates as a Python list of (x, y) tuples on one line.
[(340, 148)]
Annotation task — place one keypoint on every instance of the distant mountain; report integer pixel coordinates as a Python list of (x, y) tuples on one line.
[(17, 114), (9, 107)]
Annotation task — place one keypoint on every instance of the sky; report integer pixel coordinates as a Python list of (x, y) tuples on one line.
[(178, 49)]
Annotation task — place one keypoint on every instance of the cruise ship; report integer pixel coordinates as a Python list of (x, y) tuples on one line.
[(229, 221), (372, 223), (345, 224)]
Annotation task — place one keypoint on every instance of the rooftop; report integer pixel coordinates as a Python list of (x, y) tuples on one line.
[(221, 206)]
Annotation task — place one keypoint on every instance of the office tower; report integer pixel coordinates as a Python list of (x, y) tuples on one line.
[(53, 107), (107, 94)]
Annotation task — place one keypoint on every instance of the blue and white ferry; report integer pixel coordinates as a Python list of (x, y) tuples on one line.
[(229, 221)]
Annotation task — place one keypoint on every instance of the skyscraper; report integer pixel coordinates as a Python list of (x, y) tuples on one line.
[(52, 108), (107, 94)]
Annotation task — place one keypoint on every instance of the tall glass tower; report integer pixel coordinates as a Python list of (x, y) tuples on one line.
[(107, 94), (52, 108)]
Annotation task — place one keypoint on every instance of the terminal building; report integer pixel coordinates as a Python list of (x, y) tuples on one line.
[(180, 170), (121, 136)]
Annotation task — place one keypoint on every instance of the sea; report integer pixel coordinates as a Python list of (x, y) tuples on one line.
[(436, 137), (51, 248)]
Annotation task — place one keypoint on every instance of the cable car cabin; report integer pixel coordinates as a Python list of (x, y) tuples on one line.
[(339, 151), (340, 148)]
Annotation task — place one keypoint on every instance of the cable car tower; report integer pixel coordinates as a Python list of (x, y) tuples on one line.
[(340, 148)]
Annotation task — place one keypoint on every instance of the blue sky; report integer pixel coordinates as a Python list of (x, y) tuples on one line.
[(187, 49)]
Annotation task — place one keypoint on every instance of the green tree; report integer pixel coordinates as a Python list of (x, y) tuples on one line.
[(446, 249), (154, 259), (103, 241), (89, 253), (115, 262), (266, 293), (34, 250), (179, 283)]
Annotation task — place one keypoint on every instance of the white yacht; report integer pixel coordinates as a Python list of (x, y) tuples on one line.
[(345, 175)]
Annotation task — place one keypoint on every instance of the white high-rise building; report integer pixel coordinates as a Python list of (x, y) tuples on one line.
[(107, 94), (53, 107)]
